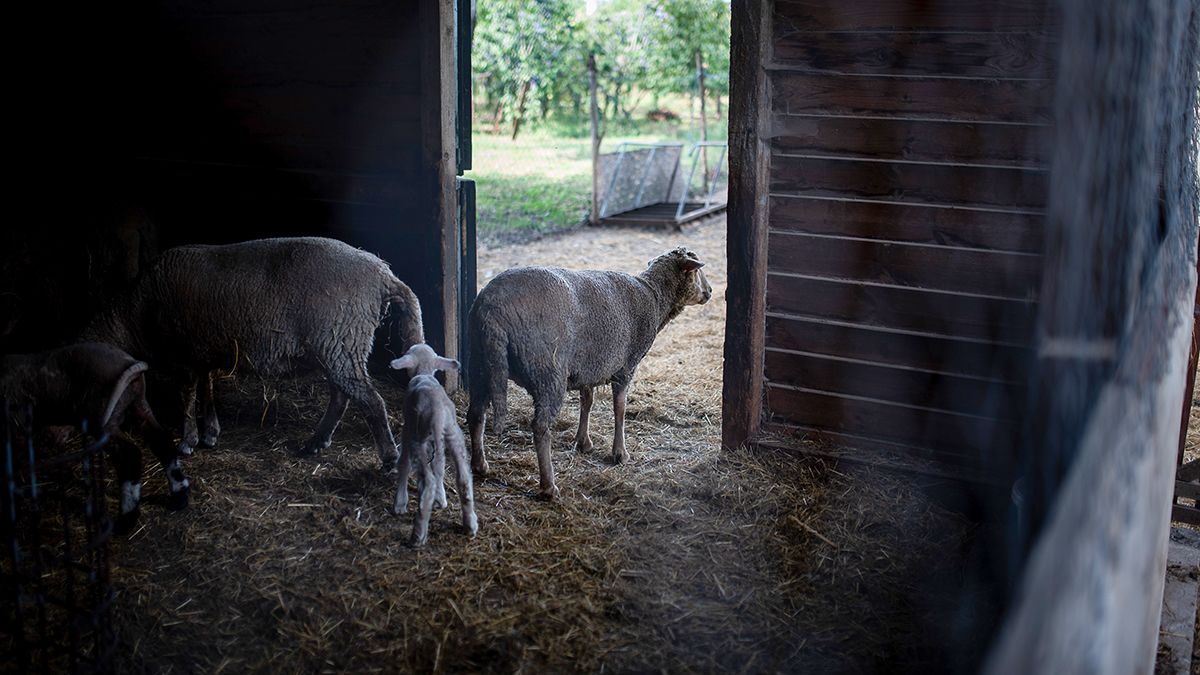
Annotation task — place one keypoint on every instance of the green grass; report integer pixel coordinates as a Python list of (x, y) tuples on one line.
[(542, 181)]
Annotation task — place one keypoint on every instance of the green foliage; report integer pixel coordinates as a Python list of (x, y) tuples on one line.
[(643, 48)]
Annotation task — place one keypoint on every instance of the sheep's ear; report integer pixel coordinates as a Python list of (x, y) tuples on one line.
[(448, 365), (405, 362), (689, 264)]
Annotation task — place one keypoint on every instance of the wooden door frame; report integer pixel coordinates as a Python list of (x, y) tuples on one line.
[(746, 222)]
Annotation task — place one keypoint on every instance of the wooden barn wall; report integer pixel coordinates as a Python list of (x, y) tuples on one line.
[(906, 182), (222, 120)]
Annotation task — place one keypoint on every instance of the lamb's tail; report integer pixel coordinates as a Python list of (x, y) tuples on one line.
[(408, 311), (127, 377)]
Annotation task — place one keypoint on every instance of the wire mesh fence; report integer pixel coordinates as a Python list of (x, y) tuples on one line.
[(54, 570)]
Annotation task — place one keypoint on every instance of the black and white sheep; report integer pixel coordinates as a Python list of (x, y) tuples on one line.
[(430, 428), (550, 330), (273, 306), (98, 388)]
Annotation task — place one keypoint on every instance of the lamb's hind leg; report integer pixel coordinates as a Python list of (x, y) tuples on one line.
[(428, 492), (466, 490), (323, 436)]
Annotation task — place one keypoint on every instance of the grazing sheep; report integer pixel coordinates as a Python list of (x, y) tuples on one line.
[(274, 306), (98, 388), (430, 426), (550, 330)]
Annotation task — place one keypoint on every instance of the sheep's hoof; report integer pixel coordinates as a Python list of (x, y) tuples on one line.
[(549, 494), (471, 524), (585, 446), (186, 448), (618, 457), (208, 441), (388, 465), (479, 468), (417, 542), (125, 522), (178, 500)]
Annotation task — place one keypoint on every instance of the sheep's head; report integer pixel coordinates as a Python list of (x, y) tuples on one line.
[(420, 359), (683, 266)]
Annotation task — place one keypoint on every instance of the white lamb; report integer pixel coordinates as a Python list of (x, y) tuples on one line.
[(430, 426)]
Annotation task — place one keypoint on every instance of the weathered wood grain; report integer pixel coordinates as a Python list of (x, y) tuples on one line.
[(947, 314), (1006, 275), (914, 223)]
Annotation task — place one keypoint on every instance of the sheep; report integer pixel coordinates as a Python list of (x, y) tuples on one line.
[(549, 330), (274, 306), (430, 426), (98, 388)]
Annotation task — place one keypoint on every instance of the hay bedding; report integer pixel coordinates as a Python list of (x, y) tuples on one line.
[(683, 559)]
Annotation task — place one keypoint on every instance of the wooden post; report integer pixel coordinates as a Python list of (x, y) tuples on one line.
[(595, 114), (703, 120), (746, 223)]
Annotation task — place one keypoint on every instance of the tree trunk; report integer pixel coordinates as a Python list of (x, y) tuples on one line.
[(595, 113), (718, 97), (703, 119), (520, 108), (498, 118)]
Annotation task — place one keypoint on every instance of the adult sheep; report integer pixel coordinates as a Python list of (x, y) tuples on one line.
[(100, 389), (549, 330), (272, 306)]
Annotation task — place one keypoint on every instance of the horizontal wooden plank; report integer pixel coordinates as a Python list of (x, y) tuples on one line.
[(956, 438), (914, 140), (976, 54), (1185, 514), (216, 181), (1187, 490), (989, 187), (928, 15), (940, 391), (1008, 275), (1024, 101), (841, 449), (899, 348), (911, 223), (903, 308)]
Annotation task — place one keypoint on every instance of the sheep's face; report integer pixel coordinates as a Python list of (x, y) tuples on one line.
[(695, 289)]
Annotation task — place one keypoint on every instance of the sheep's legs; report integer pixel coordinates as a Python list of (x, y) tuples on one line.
[(323, 436), (127, 459), (439, 470), (543, 416), (210, 427), (428, 492), (400, 504), (619, 398), (476, 416), (191, 437), (466, 490), (583, 442)]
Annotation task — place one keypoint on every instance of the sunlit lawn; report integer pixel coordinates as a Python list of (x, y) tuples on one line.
[(542, 181)]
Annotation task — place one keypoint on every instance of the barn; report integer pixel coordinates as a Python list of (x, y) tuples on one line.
[(956, 304)]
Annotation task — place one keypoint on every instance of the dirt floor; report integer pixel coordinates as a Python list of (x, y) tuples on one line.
[(682, 559)]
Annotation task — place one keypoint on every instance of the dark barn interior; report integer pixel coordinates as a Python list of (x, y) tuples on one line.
[(939, 367), (158, 124)]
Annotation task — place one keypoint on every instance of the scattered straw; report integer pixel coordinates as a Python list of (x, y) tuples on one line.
[(683, 558)]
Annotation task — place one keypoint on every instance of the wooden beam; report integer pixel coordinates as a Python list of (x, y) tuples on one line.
[(749, 161), (439, 104)]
